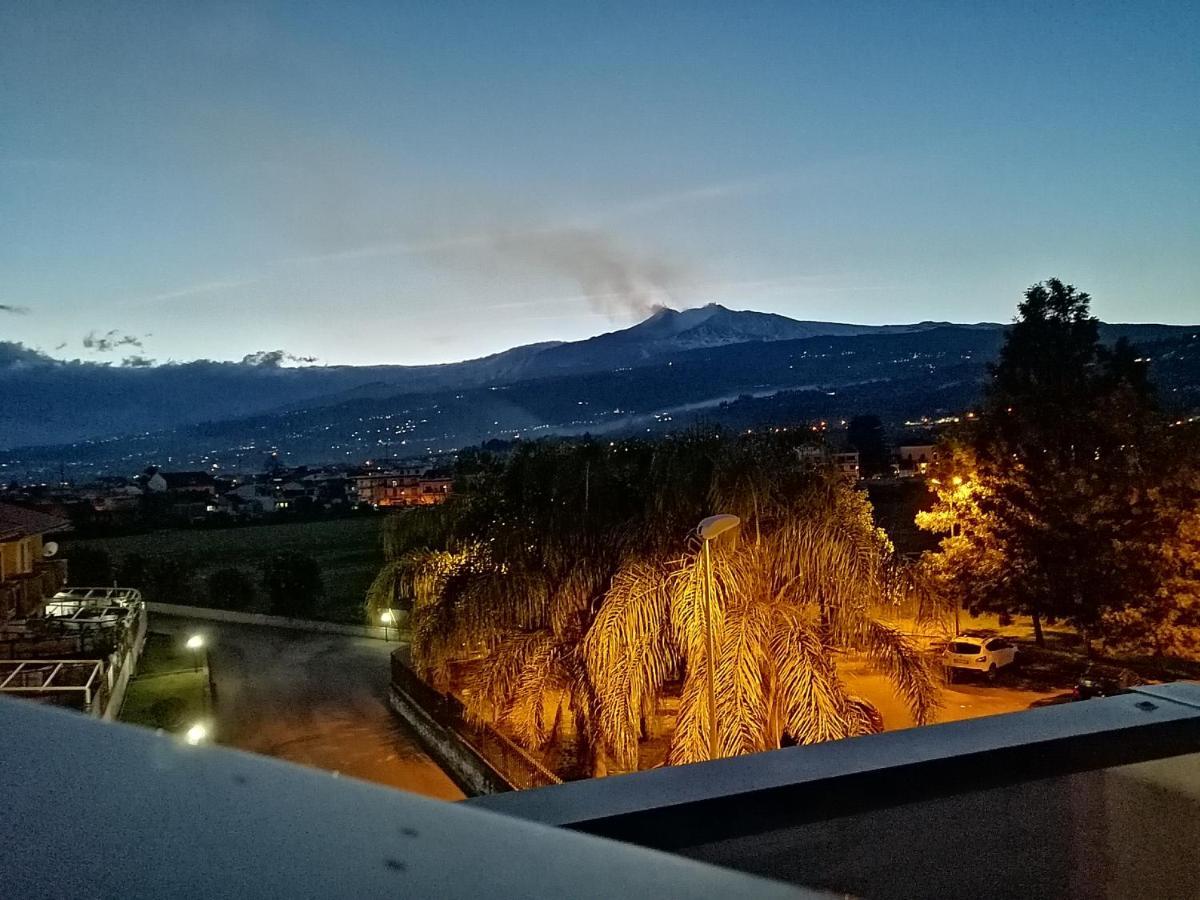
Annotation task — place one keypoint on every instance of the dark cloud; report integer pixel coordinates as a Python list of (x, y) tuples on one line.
[(61, 346), (15, 310), (110, 340), (275, 358), (137, 361), (14, 354)]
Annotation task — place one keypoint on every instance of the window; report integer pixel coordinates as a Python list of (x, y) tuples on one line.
[(961, 647)]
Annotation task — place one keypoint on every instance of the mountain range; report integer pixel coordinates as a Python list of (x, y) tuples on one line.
[(709, 362)]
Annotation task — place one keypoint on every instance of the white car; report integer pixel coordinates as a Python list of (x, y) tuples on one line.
[(987, 655)]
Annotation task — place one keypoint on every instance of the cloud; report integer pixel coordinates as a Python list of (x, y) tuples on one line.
[(275, 358), (109, 341), (14, 354), (137, 361), (15, 310)]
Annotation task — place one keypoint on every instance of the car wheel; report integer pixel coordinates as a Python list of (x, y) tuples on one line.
[(991, 672)]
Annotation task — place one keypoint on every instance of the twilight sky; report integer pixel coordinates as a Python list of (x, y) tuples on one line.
[(422, 182)]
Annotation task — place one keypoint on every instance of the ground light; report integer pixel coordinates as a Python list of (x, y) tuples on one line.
[(197, 734), (708, 531), (388, 619), (195, 643)]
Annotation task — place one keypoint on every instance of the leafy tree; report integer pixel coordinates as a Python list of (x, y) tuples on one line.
[(866, 435), (1165, 622), (1048, 495), (293, 583), (230, 589), (559, 593)]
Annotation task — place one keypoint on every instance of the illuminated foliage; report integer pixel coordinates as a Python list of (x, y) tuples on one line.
[(1064, 498), (559, 593)]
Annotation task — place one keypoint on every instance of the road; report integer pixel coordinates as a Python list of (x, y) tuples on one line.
[(315, 699), (967, 699)]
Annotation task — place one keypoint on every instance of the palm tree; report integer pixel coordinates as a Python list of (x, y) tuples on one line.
[(784, 605), (558, 595)]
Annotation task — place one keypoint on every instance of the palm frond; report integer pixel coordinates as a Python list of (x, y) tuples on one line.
[(812, 698), (742, 678), (628, 655), (909, 671)]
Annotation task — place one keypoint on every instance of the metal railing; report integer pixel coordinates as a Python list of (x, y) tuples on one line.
[(510, 762)]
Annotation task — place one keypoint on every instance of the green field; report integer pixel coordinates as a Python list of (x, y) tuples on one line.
[(348, 551), (168, 691)]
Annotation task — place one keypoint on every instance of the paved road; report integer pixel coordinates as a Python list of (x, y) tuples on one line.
[(315, 699), (967, 699)]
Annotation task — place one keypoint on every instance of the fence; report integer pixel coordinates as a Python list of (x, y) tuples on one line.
[(517, 768)]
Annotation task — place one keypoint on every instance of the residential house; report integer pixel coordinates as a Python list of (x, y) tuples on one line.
[(410, 486), (26, 576)]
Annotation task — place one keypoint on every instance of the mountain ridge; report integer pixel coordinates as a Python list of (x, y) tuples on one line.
[(50, 402)]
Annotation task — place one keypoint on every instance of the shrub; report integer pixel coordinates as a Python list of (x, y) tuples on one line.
[(231, 589), (293, 583)]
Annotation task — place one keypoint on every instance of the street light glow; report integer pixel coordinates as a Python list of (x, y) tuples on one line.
[(196, 734), (388, 617), (195, 642)]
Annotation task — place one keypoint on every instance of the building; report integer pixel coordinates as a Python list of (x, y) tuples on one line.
[(27, 577), (845, 461), (188, 483), (410, 486)]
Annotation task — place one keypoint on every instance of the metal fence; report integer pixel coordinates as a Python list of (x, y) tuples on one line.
[(511, 762)]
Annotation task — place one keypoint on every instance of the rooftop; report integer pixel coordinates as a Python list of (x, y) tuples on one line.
[(17, 521)]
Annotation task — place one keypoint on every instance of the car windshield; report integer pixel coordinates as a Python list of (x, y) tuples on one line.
[(963, 647)]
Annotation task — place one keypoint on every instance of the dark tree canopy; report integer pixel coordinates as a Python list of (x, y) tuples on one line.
[(293, 583), (866, 435)]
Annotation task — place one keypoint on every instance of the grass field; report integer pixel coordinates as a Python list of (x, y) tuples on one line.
[(348, 551), (168, 692)]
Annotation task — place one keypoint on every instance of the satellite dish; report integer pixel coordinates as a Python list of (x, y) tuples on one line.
[(49, 549)]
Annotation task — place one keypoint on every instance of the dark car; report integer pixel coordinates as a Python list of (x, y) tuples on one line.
[(1104, 681)]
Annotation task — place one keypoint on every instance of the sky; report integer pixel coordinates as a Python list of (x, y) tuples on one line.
[(426, 182)]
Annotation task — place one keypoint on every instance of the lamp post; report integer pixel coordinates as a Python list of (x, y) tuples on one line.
[(388, 619), (195, 643), (196, 734), (708, 531)]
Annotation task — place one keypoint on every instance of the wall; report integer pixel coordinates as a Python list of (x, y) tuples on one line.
[(243, 618), (128, 666), (469, 771)]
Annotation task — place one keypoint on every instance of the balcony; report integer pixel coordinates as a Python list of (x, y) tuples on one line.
[(22, 595), (1092, 799)]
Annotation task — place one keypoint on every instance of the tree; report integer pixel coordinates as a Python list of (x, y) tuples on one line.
[(230, 589), (293, 583), (1046, 494), (866, 435), (559, 595), (89, 566), (1165, 622)]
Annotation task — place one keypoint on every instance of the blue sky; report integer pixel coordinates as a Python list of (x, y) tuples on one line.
[(426, 182)]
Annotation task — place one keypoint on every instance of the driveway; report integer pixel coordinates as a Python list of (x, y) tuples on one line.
[(315, 699), (966, 699)]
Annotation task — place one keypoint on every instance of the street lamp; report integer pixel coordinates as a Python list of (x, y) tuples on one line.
[(195, 643), (196, 734), (708, 531), (388, 618)]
